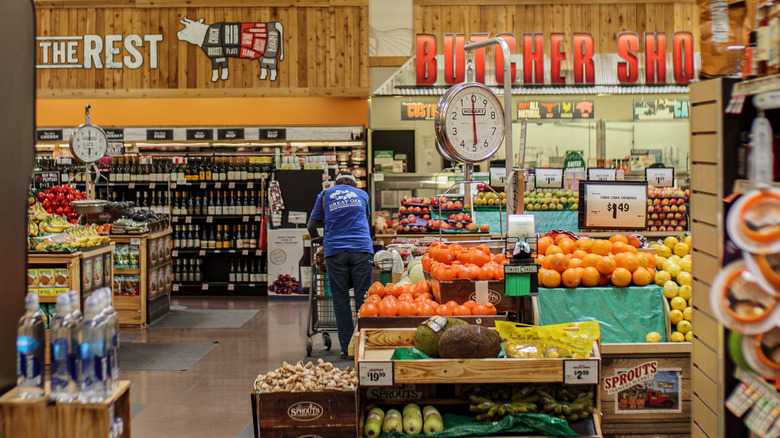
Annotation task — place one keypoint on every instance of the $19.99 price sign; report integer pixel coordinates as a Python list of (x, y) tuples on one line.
[(614, 205), (375, 373)]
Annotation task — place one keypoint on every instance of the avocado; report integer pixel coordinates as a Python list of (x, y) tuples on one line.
[(426, 338), (469, 341)]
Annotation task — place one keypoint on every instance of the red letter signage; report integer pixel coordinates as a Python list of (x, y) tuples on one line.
[(628, 72), (533, 58), (683, 57), (556, 57), (583, 59), (454, 58), (510, 42), (655, 57), (479, 57), (426, 59)]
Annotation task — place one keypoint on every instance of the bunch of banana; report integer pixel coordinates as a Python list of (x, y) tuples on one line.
[(32, 228), (86, 236), (493, 402), (54, 224), (36, 213)]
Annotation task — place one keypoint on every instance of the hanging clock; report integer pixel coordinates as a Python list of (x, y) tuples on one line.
[(88, 143), (469, 123)]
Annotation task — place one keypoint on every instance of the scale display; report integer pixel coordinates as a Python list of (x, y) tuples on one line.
[(613, 205)]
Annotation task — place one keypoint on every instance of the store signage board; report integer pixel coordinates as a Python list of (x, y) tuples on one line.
[(596, 174), (159, 134), (541, 109), (581, 372), (574, 160), (48, 134), (296, 217), (200, 134), (661, 109), (115, 133), (273, 134), (418, 111), (376, 373), (46, 179), (115, 148), (230, 134), (549, 178), (660, 176), (497, 177), (613, 205)]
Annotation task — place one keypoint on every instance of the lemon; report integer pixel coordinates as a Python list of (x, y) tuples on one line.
[(653, 337), (685, 291), (687, 313), (681, 249), (659, 261), (662, 277), (670, 242), (687, 257), (684, 278), (671, 290), (677, 337), (673, 269), (689, 336), (684, 326), (678, 303), (675, 316), (664, 251), (654, 245), (675, 258), (686, 265), (553, 355), (688, 240)]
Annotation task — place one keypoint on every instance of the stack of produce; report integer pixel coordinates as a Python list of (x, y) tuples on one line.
[(589, 263), (453, 261), (322, 376), (453, 338), (493, 402), (487, 198), (415, 299), (667, 209), (412, 421), (551, 200), (56, 200), (674, 263), (71, 239)]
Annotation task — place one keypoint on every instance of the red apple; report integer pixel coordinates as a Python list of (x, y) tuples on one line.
[(484, 228), (402, 210)]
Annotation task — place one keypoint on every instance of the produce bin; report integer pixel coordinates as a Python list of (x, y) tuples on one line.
[(415, 321), (463, 290), (295, 414)]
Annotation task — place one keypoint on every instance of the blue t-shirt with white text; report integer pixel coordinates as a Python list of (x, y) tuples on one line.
[(345, 215)]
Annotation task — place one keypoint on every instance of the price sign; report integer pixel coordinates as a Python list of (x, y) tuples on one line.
[(250, 185), (175, 287), (209, 219), (231, 286), (131, 186), (174, 253), (218, 185), (245, 219), (202, 185), (135, 241), (660, 176), (296, 217), (173, 186), (258, 218), (152, 185), (201, 253), (580, 372), (204, 286), (259, 252), (216, 251), (231, 185), (596, 174), (497, 177), (46, 180), (549, 178), (375, 373), (613, 205), (245, 252), (175, 219), (188, 220)]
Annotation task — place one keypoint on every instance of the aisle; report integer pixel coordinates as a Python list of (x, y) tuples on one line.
[(211, 398)]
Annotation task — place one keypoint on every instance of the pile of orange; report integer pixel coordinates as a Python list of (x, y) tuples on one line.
[(453, 261), (415, 300), (584, 262)]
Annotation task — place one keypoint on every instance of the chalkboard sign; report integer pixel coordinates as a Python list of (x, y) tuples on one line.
[(48, 134), (230, 134), (200, 134), (273, 134), (159, 134), (46, 179)]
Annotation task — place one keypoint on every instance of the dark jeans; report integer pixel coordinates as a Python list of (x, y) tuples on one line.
[(348, 270)]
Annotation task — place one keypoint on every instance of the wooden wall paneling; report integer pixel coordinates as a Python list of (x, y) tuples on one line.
[(417, 19), (708, 391), (73, 24), (705, 418), (283, 78), (322, 48), (150, 22), (302, 61), (333, 80), (291, 41), (702, 304), (363, 56), (81, 29)]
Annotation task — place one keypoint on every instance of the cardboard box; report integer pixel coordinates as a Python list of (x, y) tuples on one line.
[(62, 278), (46, 291), (61, 290), (45, 277), (721, 28), (32, 278)]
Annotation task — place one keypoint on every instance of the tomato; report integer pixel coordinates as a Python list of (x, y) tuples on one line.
[(50, 210), (59, 210), (46, 204), (41, 196)]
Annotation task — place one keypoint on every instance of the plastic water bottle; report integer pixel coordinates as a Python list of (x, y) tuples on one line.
[(112, 335), (30, 344), (75, 306), (92, 353), (78, 318), (62, 349)]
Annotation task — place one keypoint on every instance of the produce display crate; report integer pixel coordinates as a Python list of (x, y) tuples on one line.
[(327, 414), (25, 418), (415, 321)]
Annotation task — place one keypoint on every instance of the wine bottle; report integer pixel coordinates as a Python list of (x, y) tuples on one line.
[(304, 266), (232, 274), (253, 238), (226, 243), (211, 209), (219, 237), (245, 272), (254, 276), (196, 237), (177, 237)]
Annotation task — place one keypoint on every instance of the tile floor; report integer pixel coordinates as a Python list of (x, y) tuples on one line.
[(212, 398)]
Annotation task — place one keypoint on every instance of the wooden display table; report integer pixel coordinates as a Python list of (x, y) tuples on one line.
[(87, 270), (45, 418), (153, 275), (386, 239)]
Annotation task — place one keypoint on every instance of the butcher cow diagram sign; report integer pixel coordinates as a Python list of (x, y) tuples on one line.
[(220, 41)]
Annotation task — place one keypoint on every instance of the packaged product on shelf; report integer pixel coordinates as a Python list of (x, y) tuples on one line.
[(98, 271), (61, 290), (32, 278), (62, 277), (573, 340), (46, 291), (45, 277)]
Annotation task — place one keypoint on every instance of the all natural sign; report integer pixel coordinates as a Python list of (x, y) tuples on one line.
[(580, 52)]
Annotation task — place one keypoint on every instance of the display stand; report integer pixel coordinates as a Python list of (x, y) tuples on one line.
[(154, 279), (44, 418), (80, 265)]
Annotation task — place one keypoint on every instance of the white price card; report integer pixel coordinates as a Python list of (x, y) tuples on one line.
[(258, 218), (660, 176), (202, 253), (175, 287), (204, 286), (375, 373), (614, 206), (549, 178), (174, 253), (497, 177), (209, 219), (296, 217), (152, 185), (135, 241), (216, 251), (250, 185), (596, 174), (580, 372), (231, 185), (131, 186), (188, 220), (245, 219), (231, 286), (175, 219), (202, 185), (245, 252), (259, 252), (218, 185), (379, 177), (173, 186)]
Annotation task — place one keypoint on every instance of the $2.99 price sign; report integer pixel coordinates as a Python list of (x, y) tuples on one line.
[(549, 178), (376, 373), (613, 205)]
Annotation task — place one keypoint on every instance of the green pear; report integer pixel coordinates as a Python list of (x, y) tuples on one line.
[(432, 421), (374, 420), (393, 422)]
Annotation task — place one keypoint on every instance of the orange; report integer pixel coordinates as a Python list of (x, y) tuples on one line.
[(559, 262), (570, 278), (369, 309), (627, 260), (606, 265), (426, 309), (646, 260), (544, 262), (543, 243), (405, 297), (498, 273), (604, 280), (461, 311), (632, 249), (377, 289), (553, 249), (575, 263), (583, 244), (618, 238), (491, 309), (579, 254), (540, 275), (451, 304), (651, 271), (601, 247), (621, 277), (480, 309), (567, 245), (388, 308), (406, 309), (642, 277), (619, 247), (443, 310), (590, 277), (590, 260), (634, 241), (559, 237), (551, 278)]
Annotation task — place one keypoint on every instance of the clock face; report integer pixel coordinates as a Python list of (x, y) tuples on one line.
[(88, 143), (470, 122)]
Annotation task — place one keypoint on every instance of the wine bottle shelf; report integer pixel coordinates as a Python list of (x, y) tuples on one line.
[(202, 252), (176, 218)]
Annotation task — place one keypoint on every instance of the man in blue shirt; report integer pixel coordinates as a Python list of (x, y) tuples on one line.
[(348, 248)]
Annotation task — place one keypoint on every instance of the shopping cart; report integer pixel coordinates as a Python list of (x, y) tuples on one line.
[(322, 317)]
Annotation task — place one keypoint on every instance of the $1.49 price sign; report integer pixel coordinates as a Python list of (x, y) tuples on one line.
[(375, 373), (614, 205), (580, 372), (660, 176)]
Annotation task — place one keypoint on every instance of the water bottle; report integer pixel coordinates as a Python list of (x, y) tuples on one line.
[(62, 350), (75, 306), (30, 344), (92, 353), (112, 335), (77, 318)]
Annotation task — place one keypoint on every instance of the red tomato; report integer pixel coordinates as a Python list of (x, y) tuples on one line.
[(59, 210), (46, 204), (67, 210)]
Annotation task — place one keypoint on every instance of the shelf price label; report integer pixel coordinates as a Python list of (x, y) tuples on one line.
[(174, 253), (173, 186), (614, 206), (376, 373), (259, 252), (580, 372), (204, 286), (231, 286), (175, 287), (258, 218), (245, 219), (135, 241), (218, 185), (250, 185), (152, 185), (131, 186), (596, 174), (188, 220), (209, 219), (202, 185), (245, 252), (175, 219), (231, 185), (549, 178), (202, 253), (660, 176)]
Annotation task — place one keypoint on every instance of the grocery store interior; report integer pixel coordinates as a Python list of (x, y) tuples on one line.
[(572, 209)]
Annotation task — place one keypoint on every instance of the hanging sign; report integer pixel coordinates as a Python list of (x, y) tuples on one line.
[(663, 109), (660, 176), (230, 134), (48, 134), (549, 178), (200, 134), (597, 174), (540, 109), (619, 205), (273, 134), (159, 134), (574, 161)]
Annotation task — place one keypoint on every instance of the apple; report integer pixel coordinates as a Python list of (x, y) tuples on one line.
[(467, 217), (407, 229), (399, 229), (458, 225), (653, 228), (404, 221), (484, 228), (426, 216), (683, 208), (445, 226), (427, 201), (402, 210), (415, 229), (458, 205), (426, 209), (459, 217), (650, 208)]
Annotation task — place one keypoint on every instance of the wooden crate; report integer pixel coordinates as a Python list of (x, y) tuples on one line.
[(630, 409), (25, 418), (94, 420), (297, 414), (415, 321)]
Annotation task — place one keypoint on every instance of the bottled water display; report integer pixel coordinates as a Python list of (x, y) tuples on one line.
[(30, 344)]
